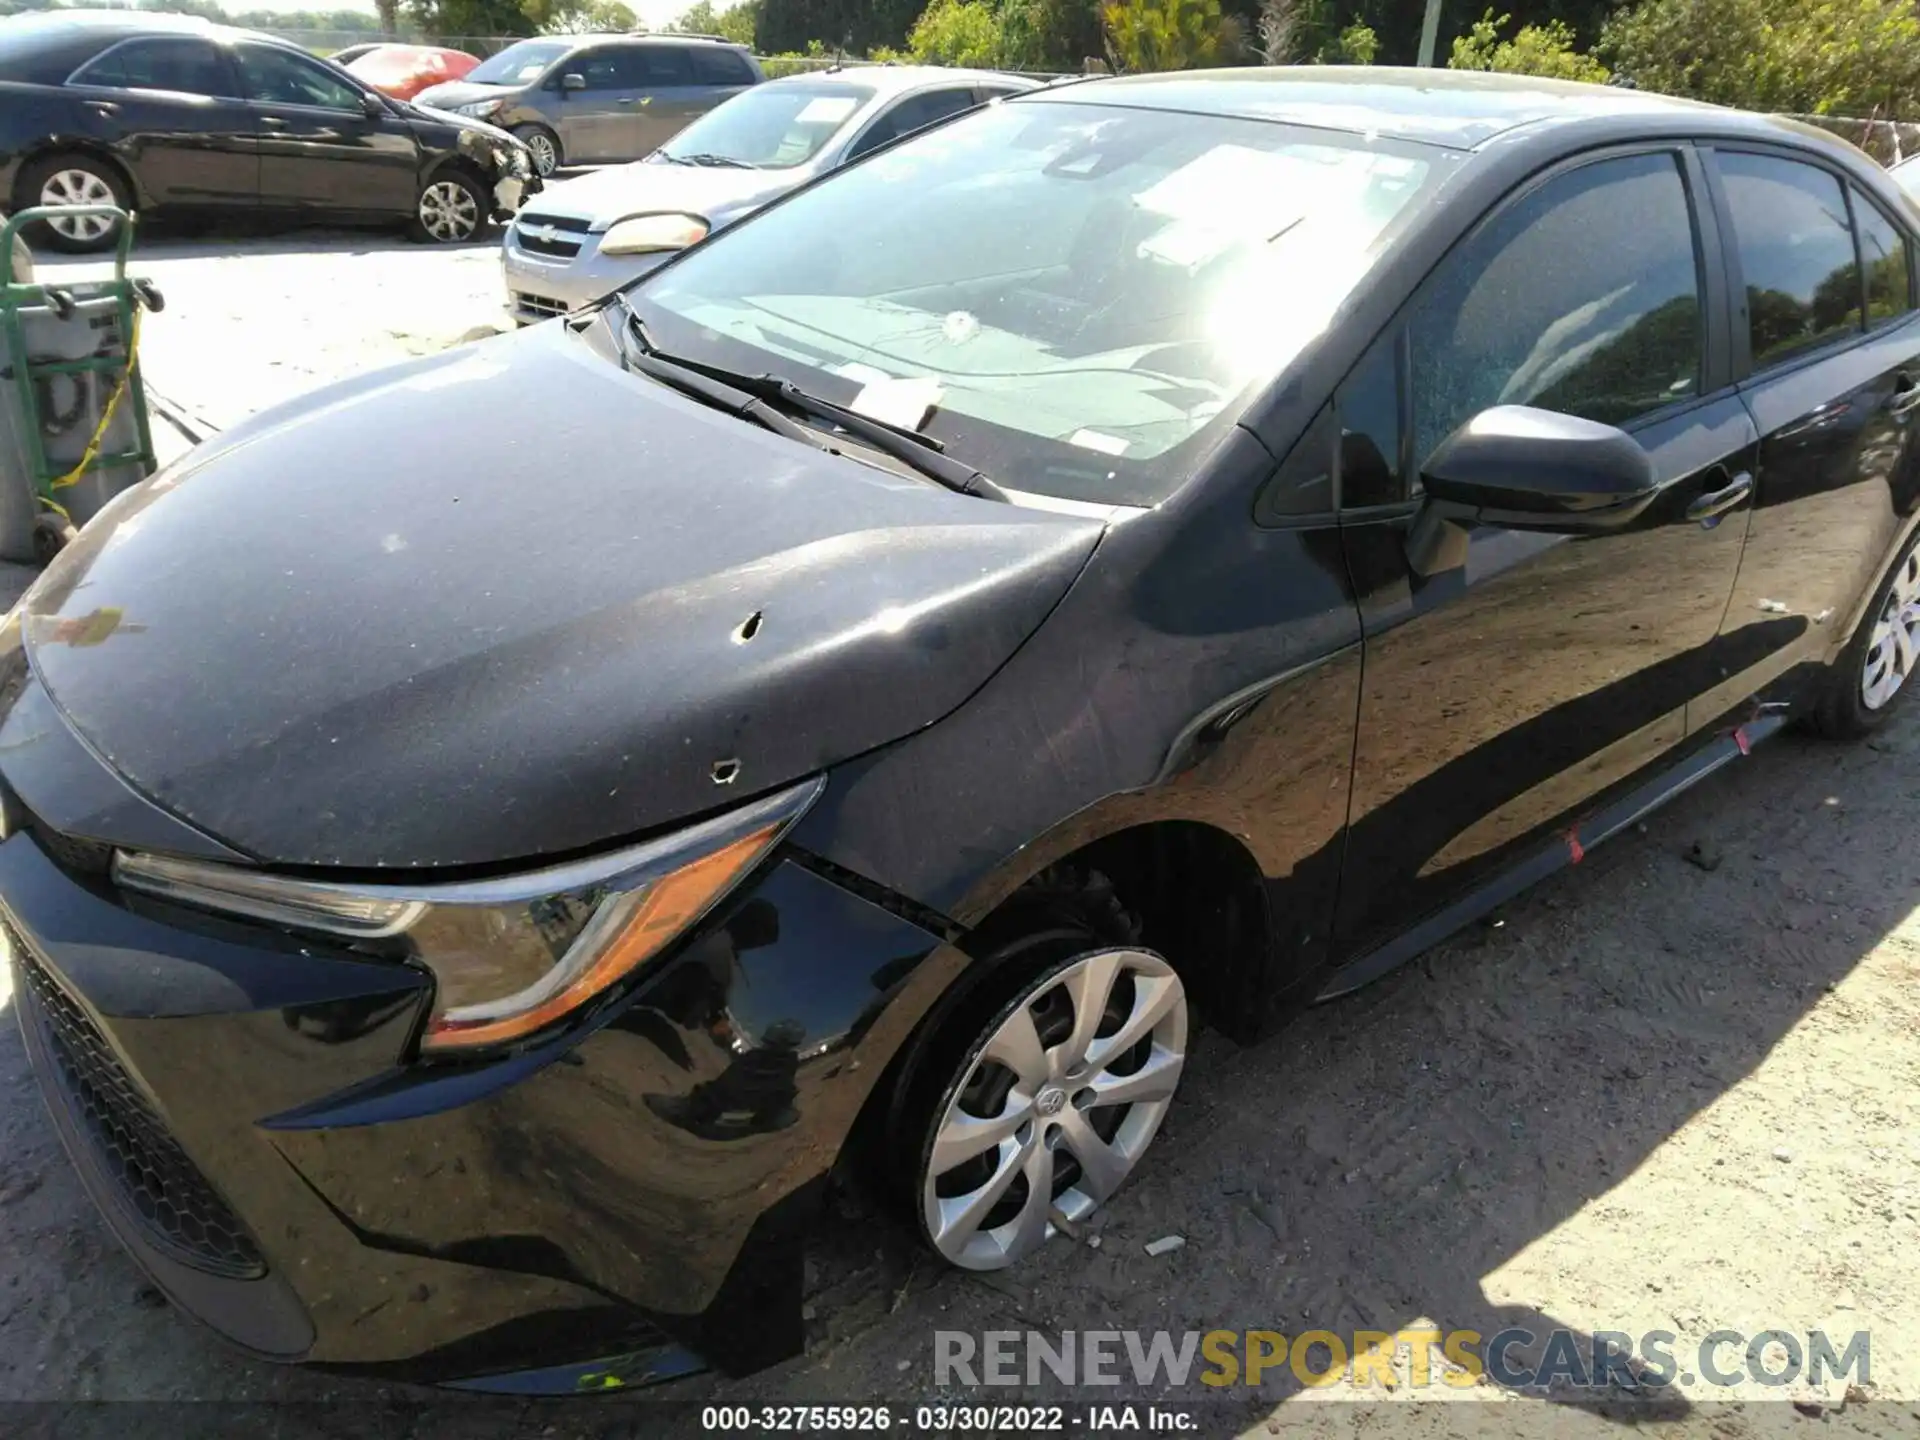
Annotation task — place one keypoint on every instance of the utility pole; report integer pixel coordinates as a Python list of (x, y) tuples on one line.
[(1429, 34)]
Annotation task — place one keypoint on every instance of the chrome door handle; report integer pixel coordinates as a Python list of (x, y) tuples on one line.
[(273, 122), (103, 107), (1718, 502)]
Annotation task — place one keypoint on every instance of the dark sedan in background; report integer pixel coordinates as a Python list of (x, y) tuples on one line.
[(1152, 551), (161, 113)]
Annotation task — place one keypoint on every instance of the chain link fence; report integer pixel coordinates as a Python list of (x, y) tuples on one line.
[(1888, 141)]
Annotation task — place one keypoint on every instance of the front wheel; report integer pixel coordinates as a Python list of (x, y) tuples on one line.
[(451, 209), (1051, 1105), (542, 144), (1878, 666)]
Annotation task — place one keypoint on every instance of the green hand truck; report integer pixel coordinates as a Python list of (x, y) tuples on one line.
[(75, 433)]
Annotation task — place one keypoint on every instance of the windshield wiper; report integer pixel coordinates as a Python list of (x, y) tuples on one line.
[(920, 453), (707, 157), (637, 355)]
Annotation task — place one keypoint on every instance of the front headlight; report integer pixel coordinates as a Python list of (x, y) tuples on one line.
[(509, 957), (481, 109), (644, 234)]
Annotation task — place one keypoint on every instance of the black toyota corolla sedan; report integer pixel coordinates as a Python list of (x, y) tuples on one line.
[(493, 841)]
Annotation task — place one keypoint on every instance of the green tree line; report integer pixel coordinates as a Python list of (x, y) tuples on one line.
[(1839, 57)]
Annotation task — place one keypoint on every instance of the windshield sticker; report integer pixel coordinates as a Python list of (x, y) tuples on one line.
[(905, 403), (826, 110), (1095, 440)]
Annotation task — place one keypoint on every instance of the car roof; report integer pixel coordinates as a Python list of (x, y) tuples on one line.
[(892, 79), (67, 25), (645, 37), (1463, 109)]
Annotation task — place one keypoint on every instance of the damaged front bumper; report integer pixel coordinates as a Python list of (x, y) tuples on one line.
[(244, 1109)]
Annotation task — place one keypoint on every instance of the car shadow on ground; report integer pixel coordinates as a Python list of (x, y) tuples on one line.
[(1371, 1166), (1374, 1164), (234, 238)]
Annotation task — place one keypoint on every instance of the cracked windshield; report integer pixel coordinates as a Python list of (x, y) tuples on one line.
[(1081, 293)]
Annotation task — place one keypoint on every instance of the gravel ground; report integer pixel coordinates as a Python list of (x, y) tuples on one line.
[(1657, 1094)]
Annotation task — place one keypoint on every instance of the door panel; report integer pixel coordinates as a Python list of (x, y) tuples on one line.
[(320, 151), (168, 104), (599, 122), (1501, 697), (1838, 468), (670, 97)]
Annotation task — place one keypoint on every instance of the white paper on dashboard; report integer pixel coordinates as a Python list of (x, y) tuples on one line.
[(898, 402), (825, 110)]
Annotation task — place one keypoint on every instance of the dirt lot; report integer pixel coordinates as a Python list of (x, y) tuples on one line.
[(1658, 1094)]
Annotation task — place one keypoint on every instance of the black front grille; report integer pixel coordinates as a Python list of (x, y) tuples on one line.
[(563, 244), (182, 1216), (538, 306)]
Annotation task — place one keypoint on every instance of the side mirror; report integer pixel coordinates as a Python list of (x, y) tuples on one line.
[(573, 80), (1528, 469), (373, 106)]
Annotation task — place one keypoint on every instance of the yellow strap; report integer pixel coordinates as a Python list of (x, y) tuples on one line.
[(72, 476)]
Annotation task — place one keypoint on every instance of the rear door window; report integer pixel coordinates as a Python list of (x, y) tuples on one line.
[(716, 65), (177, 63), (916, 112), (1582, 297), (1883, 248), (1796, 254)]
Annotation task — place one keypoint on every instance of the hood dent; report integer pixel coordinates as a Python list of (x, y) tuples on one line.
[(384, 627)]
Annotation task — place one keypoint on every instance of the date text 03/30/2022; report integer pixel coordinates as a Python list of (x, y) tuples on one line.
[(948, 1419)]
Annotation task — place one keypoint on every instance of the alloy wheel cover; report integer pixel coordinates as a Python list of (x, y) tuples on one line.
[(1895, 640), (544, 155), (448, 212), (1115, 1068), (78, 187)]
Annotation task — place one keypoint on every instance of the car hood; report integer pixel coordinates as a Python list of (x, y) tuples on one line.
[(510, 601), (710, 191), (462, 92)]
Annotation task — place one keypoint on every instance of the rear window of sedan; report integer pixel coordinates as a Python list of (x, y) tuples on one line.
[(40, 54)]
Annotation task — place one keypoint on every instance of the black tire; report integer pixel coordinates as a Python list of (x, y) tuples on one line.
[(1062, 914), (32, 189), (1842, 712), (437, 209), (545, 145)]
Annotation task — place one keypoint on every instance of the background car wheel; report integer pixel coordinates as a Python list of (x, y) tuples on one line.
[(1041, 1090), (451, 208), (75, 180), (1880, 663), (544, 145)]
